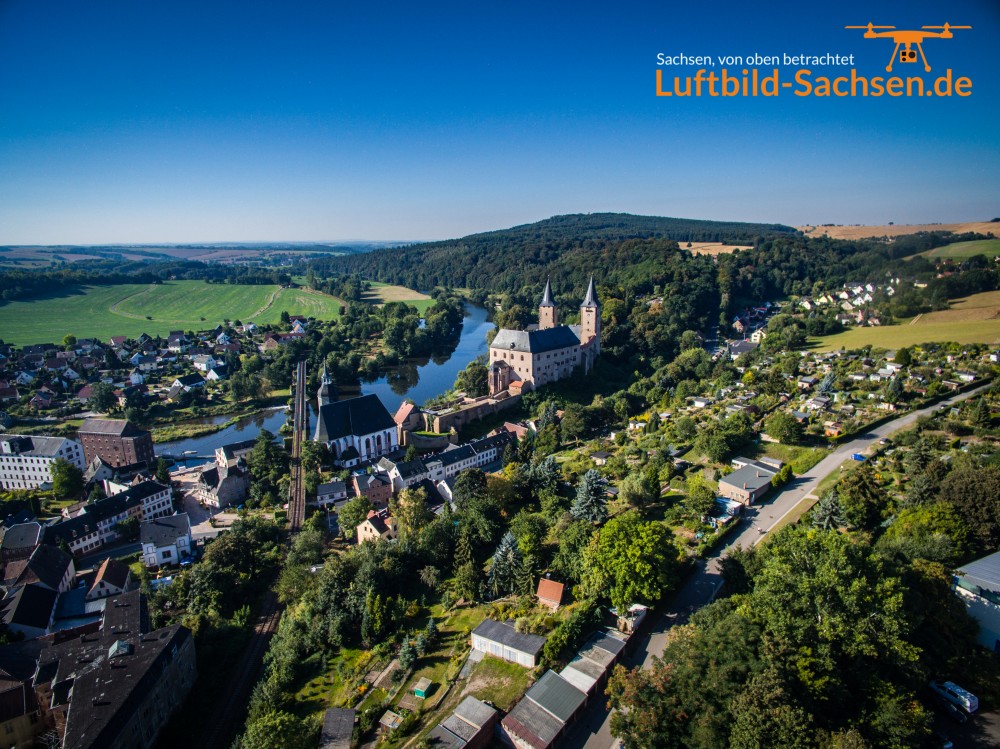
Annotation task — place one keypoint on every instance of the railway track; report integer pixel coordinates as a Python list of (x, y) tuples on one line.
[(297, 488), (232, 711)]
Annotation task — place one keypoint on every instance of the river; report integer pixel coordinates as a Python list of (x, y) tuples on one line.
[(418, 380)]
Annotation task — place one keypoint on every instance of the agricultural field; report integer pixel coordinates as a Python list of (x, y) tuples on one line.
[(131, 309), (963, 250), (896, 230), (383, 292), (712, 248), (975, 319)]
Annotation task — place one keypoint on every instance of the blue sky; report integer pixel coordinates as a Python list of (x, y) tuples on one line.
[(155, 121)]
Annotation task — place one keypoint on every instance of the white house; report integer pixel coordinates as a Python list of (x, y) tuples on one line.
[(26, 461), (165, 540)]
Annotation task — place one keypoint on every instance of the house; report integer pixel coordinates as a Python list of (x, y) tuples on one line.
[(818, 403), (549, 593), (380, 526), (19, 541), (807, 382), (422, 688), (165, 540), (217, 374), (389, 722), (748, 483), (600, 457), (502, 640), (470, 726), (331, 492), (223, 484), (338, 728), (29, 610), (48, 566), (204, 362), (377, 487), (758, 335), (737, 348), (8, 392), (965, 376), (701, 401), (978, 585), (113, 578), (189, 382)]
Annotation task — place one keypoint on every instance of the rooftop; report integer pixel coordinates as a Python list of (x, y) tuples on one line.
[(504, 633)]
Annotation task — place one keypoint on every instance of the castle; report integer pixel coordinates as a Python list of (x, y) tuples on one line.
[(526, 359)]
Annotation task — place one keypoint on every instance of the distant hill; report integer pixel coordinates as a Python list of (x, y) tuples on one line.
[(568, 247), (840, 231)]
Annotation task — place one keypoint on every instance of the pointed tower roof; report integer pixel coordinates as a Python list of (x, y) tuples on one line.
[(591, 299), (326, 377), (547, 297)]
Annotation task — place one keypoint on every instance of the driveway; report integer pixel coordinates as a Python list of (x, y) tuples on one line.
[(593, 729)]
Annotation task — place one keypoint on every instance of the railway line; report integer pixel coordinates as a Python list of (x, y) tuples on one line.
[(297, 488)]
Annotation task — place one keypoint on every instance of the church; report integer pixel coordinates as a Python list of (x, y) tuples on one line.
[(354, 430), (522, 360)]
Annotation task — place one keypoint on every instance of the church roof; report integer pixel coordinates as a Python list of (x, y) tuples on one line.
[(536, 341), (547, 297), (591, 299), (354, 417)]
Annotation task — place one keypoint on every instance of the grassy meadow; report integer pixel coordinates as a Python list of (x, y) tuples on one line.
[(975, 319), (383, 292), (131, 309), (963, 250)]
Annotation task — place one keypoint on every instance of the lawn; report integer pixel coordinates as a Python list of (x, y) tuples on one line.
[(499, 682), (962, 250), (801, 459), (975, 319), (103, 311), (383, 292)]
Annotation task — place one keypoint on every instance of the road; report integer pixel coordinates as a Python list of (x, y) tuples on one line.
[(593, 729)]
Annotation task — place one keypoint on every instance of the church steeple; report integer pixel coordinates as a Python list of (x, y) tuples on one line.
[(547, 313), (591, 299), (326, 390)]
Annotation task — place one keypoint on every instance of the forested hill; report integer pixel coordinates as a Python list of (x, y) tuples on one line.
[(569, 247)]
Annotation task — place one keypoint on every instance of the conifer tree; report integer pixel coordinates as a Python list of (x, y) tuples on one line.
[(980, 415), (828, 514), (526, 577), (590, 503), (504, 566)]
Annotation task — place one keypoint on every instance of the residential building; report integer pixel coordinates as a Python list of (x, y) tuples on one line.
[(550, 593), (165, 540), (117, 441), (113, 578), (331, 492), (229, 454), (502, 640), (26, 461), (978, 585), (526, 359), (380, 526), (223, 485), (48, 566), (19, 541), (749, 483), (542, 715), (29, 610), (377, 487)]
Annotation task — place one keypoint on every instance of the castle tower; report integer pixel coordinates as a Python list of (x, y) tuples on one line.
[(547, 313), (326, 391), (590, 327)]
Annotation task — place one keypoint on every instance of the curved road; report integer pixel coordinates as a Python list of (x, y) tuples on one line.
[(593, 729)]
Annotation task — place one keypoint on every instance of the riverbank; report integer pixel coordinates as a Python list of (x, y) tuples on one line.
[(201, 428)]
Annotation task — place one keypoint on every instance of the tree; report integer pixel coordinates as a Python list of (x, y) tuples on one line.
[(980, 415), (473, 380), (568, 559), (353, 514), (69, 341), (412, 453), (163, 471), (467, 582), (407, 655), (505, 565), (411, 513), (700, 497), (573, 423), (784, 427), (102, 398), (861, 498), (67, 479), (894, 389), (276, 729), (932, 531), (903, 356), (639, 488), (529, 528), (630, 561), (828, 515), (128, 528), (974, 492), (653, 425), (429, 576), (920, 490), (590, 503)]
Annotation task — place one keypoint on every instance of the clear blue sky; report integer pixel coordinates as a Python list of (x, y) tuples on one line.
[(174, 121)]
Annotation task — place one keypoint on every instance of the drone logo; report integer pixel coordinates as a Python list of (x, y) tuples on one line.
[(908, 38)]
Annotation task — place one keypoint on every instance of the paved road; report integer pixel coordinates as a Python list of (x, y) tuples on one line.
[(593, 730)]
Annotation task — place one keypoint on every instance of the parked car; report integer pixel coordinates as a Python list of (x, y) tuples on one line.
[(957, 696), (939, 740)]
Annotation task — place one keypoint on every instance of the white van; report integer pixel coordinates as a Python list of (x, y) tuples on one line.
[(956, 695)]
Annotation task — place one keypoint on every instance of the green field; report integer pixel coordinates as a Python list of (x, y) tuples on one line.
[(384, 292), (962, 250), (104, 311)]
